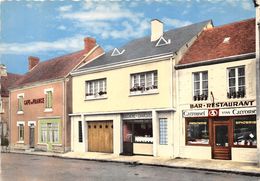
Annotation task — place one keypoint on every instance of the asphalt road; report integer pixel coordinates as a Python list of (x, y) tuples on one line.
[(21, 167)]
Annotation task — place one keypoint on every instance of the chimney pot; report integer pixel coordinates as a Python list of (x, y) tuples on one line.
[(156, 29), (33, 61), (89, 43)]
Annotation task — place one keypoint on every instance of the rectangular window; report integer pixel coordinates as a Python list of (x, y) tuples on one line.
[(163, 131), (197, 131), (48, 99), (200, 86), (20, 103), (20, 132), (80, 131), (236, 82), (1, 106), (49, 132), (245, 132), (144, 82), (96, 88)]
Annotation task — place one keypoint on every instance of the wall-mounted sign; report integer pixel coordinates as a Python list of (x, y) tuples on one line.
[(141, 115), (223, 104), (34, 101), (219, 112)]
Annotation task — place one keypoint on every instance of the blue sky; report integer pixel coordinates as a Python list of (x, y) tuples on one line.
[(48, 29)]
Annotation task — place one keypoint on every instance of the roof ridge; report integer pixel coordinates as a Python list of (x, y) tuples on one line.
[(229, 24)]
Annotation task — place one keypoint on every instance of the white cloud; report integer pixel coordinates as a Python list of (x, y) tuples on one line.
[(65, 8), (66, 44), (61, 27), (176, 22), (108, 19), (247, 5), (29, 5)]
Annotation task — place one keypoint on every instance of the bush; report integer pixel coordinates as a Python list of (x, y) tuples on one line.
[(4, 141)]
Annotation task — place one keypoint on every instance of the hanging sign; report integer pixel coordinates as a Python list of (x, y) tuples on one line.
[(34, 101)]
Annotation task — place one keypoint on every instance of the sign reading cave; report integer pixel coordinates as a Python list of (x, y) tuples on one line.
[(34, 101), (223, 104)]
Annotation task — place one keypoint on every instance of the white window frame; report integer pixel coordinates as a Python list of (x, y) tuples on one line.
[(163, 140), (48, 109), (20, 111), (95, 95), (1, 106), (236, 78), (200, 82), (18, 124), (152, 89)]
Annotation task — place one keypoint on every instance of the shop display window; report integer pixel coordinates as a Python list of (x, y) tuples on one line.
[(138, 131), (245, 132), (197, 131)]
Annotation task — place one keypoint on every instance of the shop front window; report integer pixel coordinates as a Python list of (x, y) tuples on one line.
[(197, 132), (138, 131), (245, 132)]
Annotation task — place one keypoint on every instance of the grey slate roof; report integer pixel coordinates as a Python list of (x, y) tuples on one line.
[(143, 47)]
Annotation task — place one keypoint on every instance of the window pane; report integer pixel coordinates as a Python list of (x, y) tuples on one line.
[(142, 80), (196, 76), (204, 75), (155, 78), (143, 131), (149, 79), (136, 81), (232, 82), (196, 93), (163, 131), (80, 131), (197, 131), (95, 87), (245, 131), (205, 85), (241, 81), (196, 85), (231, 72), (241, 71)]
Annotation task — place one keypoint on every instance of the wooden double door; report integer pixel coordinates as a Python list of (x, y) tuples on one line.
[(100, 136), (222, 140)]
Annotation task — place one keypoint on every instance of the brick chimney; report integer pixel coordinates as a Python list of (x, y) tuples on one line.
[(33, 61), (156, 29), (89, 43)]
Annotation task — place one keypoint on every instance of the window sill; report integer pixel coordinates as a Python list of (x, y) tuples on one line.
[(89, 98), (20, 142), (199, 144), (56, 144), (140, 93), (20, 112), (48, 110)]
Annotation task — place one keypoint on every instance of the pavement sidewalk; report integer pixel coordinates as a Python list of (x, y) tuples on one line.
[(243, 168)]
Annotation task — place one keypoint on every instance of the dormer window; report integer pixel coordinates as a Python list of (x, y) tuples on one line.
[(226, 40), (162, 42), (116, 52)]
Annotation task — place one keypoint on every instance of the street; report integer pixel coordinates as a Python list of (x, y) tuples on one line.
[(22, 167)]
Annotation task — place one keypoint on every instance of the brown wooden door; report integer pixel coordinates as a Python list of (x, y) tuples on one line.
[(221, 148), (100, 136)]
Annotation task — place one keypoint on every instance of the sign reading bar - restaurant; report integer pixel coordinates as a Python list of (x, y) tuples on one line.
[(223, 104)]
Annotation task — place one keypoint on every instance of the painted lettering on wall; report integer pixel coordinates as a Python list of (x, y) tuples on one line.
[(223, 104), (34, 101)]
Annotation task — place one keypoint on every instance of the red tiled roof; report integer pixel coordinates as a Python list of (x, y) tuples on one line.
[(53, 69), (209, 44), (7, 82)]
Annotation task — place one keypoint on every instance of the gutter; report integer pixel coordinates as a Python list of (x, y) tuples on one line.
[(217, 61), (125, 63)]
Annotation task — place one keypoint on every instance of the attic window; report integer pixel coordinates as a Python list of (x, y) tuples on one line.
[(116, 52), (226, 40), (162, 42)]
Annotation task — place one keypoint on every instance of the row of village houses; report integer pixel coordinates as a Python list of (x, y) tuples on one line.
[(188, 92)]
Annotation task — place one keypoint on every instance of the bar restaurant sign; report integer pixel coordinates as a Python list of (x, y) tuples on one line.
[(34, 101), (236, 108)]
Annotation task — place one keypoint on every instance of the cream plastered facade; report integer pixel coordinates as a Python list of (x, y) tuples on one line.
[(218, 84), (119, 101)]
